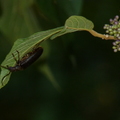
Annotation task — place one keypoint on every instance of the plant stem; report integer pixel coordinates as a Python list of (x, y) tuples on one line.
[(103, 36)]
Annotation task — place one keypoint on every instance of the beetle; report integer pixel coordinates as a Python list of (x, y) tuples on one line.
[(25, 61)]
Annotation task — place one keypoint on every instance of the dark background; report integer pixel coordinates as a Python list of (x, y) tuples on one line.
[(78, 75)]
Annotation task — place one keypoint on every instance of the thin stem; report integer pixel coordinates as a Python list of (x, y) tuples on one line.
[(96, 34), (103, 36)]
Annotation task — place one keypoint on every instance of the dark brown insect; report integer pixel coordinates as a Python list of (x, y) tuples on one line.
[(25, 62)]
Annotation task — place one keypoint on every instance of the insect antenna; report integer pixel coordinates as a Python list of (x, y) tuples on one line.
[(17, 61)]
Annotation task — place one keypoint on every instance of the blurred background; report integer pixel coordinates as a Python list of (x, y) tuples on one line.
[(77, 76)]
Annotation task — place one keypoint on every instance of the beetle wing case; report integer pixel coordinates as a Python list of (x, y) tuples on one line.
[(31, 58)]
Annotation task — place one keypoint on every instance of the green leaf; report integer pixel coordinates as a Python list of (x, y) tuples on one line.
[(72, 24), (75, 23), (79, 23), (23, 46)]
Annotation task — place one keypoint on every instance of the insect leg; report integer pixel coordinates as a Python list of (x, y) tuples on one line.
[(4, 77), (18, 56), (4, 66), (17, 61)]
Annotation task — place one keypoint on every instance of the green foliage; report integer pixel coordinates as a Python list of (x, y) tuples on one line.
[(79, 22), (23, 46), (85, 67), (75, 23), (72, 24)]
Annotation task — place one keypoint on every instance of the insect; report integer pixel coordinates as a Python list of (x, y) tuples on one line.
[(25, 62)]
